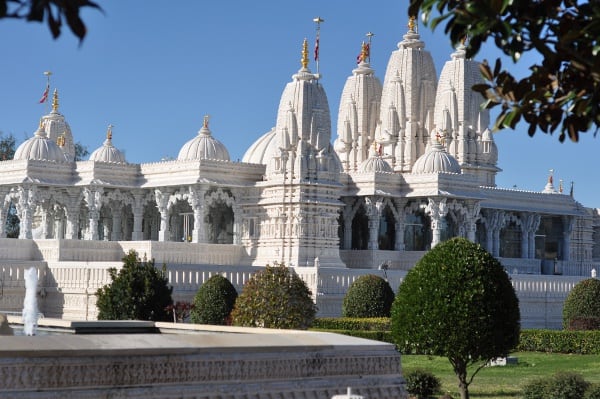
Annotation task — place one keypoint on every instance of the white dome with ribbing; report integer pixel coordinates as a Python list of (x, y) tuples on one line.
[(203, 146), (108, 152), (40, 148)]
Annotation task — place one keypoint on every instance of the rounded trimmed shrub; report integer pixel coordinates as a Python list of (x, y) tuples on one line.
[(138, 291), (214, 301), (422, 384), (275, 297), (562, 385), (593, 392), (457, 302), (581, 310), (368, 296)]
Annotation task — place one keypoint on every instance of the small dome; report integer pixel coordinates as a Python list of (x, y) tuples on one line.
[(375, 163), (40, 148), (436, 160), (108, 152), (203, 146)]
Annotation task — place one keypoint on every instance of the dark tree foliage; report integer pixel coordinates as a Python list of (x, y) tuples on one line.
[(457, 302), (81, 151), (53, 11), (368, 296), (139, 291), (275, 298), (7, 146), (214, 301), (581, 310), (563, 89)]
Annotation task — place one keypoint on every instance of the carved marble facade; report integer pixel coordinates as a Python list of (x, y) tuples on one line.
[(413, 164)]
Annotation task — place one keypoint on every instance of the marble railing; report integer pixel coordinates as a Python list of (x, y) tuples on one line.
[(113, 251), (571, 268), (399, 260), (13, 249), (521, 266)]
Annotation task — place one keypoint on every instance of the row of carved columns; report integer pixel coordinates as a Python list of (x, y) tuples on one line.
[(65, 207)]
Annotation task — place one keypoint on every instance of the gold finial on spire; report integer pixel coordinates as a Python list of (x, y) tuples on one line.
[(55, 101), (551, 176), (41, 123), (560, 186), (412, 24), (60, 140), (205, 122), (109, 132), (304, 60)]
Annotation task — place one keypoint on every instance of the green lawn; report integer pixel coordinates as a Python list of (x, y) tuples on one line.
[(507, 382)]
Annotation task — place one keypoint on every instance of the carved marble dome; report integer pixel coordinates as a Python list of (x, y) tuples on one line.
[(40, 148), (436, 160), (262, 149), (108, 152), (203, 146), (375, 163)]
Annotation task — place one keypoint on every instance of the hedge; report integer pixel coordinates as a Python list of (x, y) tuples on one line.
[(560, 341), (551, 341)]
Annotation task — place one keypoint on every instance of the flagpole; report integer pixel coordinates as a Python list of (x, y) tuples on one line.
[(370, 36), (318, 21), (47, 92)]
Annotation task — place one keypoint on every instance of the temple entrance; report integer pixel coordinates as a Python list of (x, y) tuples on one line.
[(510, 241), (387, 230), (417, 232), (219, 222), (181, 221), (360, 230)]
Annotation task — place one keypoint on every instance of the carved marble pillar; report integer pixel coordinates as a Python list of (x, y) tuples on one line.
[(437, 210), (400, 217), (197, 203), (529, 225), (535, 224), (46, 221), (471, 218), (494, 223), (59, 221), (568, 222), (162, 201), (24, 211), (116, 222), (93, 197), (137, 208), (374, 207), (72, 223), (237, 239)]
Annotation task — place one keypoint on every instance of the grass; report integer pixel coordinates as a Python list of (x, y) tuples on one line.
[(506, 382)]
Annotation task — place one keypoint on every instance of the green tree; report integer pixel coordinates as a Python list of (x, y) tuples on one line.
[(457, 302), (368, 296), (275, 298), (139, 291), (214, 301), (7, 146), (53, 11), (81, 151), (7, 152), (581, 310), (563, 89)]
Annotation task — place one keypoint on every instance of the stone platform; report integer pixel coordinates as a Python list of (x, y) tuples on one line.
[(192, 361)]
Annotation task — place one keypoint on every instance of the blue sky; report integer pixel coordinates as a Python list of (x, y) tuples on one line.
[(154, 69)]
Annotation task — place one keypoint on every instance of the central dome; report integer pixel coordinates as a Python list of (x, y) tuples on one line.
[(203, 146)]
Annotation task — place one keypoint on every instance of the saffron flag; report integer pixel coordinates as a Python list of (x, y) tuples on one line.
[(45, 94), (317, 49)]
